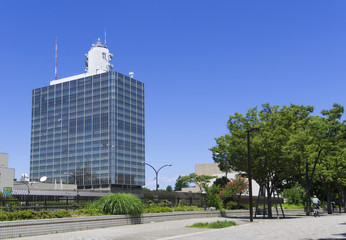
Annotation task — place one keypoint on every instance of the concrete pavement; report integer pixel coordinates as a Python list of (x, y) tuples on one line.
[(294, 227)]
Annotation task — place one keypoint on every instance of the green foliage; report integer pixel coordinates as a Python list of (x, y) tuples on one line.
[(169, 188), (27, 215), (231, 205), (179, 184), (153, 207), (199, 180), (121, 203), (294, 195), (234, 189), (292, 145), (88, 212), (62, 214), (221, 182), (217, 224), (186, 208), (156, 207), (292, 206), (212, 198)]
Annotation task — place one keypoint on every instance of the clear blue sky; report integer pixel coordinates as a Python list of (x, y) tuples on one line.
[(201, 61)]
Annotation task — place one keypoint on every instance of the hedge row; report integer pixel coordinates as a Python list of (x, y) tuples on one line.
[(26, 215)]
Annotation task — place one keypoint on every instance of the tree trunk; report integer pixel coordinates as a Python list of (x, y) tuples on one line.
[(340, 199), (307, 199), (329, 193), (344, 193), (269, 201)]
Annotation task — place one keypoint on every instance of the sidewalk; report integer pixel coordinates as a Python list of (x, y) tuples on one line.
[(294, 227)]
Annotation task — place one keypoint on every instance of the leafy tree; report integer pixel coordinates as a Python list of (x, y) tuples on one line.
[(198, 180), (221, 182), (179, 184), (311, 147), (270, 166), (169, 188)]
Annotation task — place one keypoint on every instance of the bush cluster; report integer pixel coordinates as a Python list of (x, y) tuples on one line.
[(118, 204), (153, 207), (27, 215)]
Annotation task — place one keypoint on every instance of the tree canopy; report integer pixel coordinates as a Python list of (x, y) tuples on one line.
[(292, 145)]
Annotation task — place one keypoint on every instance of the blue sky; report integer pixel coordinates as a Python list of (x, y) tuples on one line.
[(201, 61)]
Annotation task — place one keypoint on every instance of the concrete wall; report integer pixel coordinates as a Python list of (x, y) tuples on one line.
[(3, 160), (6, 174), (48, 226)]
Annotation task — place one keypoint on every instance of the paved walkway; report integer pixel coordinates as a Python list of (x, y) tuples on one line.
[(326, 227)]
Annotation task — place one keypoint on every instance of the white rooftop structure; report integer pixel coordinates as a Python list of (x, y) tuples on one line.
[(97, 62)]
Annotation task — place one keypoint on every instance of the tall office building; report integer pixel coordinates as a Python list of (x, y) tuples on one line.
[(89, 128)]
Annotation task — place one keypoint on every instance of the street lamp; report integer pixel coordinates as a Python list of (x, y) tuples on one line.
[(76, 182), (157, 172), (249, 170)]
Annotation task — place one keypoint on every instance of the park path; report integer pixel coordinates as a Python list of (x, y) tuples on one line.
[(326, 227)]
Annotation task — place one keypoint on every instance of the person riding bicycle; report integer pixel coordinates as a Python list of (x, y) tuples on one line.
[(316, 202)]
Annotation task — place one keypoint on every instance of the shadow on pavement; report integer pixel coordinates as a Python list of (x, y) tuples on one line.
[(336, 238)]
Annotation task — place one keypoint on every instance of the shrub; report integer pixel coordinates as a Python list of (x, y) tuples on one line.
[(121, 203), (88, 212), (185, 208), (45, 214), (4, 216), (294, 195), (231, 205), (62, 214), (212, 197), (153, 207)]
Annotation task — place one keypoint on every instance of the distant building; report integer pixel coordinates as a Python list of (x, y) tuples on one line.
[(6, 174), (88, 129), (212, 169)]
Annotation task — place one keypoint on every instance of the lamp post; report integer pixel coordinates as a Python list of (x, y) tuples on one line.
[(27, 198), (249, 175), (76, 182), (157, 172)]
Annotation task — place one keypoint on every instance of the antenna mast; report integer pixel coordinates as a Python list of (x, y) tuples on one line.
[(105, 38), (56, 57)]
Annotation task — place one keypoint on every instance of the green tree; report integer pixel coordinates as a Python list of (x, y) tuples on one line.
[(270, 165), (169, 188), (199, 180), (331, 158), (179, 184), (311, 147)]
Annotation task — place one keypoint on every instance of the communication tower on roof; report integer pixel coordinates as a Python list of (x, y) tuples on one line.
[(98, 59)]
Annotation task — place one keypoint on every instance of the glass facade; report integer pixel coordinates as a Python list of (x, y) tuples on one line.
[(89, 131)]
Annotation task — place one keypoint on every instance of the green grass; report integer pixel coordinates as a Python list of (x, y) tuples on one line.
[(218, 224), (292, 206)]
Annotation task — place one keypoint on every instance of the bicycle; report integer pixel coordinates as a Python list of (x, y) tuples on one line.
[(316, 210)]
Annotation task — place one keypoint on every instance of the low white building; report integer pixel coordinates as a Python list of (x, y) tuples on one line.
[(6, 174), (212, 169)]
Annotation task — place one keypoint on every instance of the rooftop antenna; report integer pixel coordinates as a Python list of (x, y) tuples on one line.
[(56, 58), (105, 38)]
